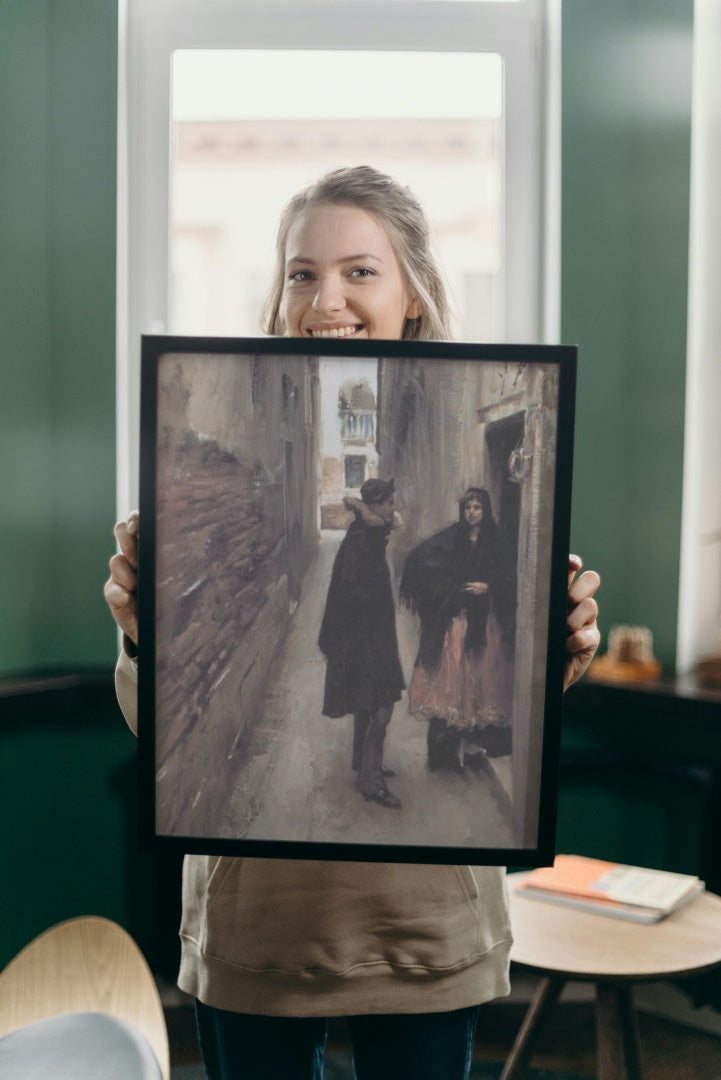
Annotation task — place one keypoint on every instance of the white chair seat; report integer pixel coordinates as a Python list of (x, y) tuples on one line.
[(78, 1046)]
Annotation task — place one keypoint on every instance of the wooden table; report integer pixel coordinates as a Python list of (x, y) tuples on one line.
[(563, 944)]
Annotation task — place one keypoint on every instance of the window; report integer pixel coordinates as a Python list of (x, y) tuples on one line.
[(699, 624), (235, 162), (355, 470), (477, 161)]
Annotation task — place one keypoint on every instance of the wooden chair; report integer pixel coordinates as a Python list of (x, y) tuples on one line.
[(89, 971)]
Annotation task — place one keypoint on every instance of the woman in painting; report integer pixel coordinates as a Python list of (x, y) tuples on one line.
[(270, 947), (458, 583)]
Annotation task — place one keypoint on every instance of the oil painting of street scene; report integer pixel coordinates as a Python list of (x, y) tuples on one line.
[(351, 598)]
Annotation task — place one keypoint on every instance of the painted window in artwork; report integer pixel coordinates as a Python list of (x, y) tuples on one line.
[(355, 469)]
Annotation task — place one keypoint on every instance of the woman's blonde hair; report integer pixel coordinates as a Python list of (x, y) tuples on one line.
[(403, 217)]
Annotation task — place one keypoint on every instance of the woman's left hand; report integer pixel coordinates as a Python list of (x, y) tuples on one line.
[(475, 588), (582, 634)]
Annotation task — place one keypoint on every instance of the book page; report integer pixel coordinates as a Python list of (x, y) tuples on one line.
[(652, 888)]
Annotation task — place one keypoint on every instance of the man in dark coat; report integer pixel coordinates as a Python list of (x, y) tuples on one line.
[(358, 637)]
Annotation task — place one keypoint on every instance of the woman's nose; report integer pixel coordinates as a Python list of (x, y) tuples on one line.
[(329, 296)]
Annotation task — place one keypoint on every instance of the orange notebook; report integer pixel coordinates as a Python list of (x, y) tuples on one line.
[(632, 892)]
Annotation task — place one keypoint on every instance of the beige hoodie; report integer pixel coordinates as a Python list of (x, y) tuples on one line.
[(284, 937)]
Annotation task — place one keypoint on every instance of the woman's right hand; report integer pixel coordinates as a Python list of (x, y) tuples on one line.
[(121, 587)]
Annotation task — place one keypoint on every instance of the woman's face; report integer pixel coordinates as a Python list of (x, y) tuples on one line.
[(342, 277), (473, 512)]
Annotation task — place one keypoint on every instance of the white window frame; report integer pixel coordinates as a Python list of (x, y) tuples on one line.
[(526, 34), (699, 598)]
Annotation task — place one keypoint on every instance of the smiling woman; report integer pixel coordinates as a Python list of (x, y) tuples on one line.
[(353, 259), (291, 940), (336, 293)]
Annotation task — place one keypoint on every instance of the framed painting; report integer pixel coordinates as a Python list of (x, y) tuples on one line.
[(352, 597)]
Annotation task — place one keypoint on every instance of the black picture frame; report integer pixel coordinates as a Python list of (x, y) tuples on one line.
[(243, 470)]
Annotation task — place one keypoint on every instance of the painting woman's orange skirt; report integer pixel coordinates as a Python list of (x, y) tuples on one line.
[(467, 689)]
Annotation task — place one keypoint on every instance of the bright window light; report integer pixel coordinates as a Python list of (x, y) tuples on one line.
[(220, 84), (238, 156)]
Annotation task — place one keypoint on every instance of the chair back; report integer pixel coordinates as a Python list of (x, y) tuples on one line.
[(87, 964)]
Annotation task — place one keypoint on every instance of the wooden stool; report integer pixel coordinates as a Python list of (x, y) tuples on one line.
[(563, 944)]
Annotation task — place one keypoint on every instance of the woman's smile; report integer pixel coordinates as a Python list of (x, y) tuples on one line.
[(342, 277), (335, 331)]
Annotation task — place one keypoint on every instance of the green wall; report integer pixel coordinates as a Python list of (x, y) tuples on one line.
[(58, 73), (625, 200), (67, 772)]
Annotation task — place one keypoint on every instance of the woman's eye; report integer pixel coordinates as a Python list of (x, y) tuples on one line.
[(362, 272), (300, 276)]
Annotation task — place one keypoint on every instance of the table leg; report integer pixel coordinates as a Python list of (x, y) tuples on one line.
[(617, 1033), (545, 997)]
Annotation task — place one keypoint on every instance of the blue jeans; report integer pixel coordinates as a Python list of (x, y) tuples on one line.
[(414, 1046)]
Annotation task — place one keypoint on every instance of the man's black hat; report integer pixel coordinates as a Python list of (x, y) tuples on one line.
[(377, 490)]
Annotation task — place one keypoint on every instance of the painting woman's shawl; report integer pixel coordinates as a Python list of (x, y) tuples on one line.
[(432, 585)]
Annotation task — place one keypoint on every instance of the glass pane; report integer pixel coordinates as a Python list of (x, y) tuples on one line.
[(432, 120), (455, 1)]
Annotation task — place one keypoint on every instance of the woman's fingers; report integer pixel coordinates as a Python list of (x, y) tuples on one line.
[(121, 587), (575, 562), (123, 573), (584, 586), (582, 612), (123, 607), (582, 633), (126, 534), (584, 640), (476, 587)]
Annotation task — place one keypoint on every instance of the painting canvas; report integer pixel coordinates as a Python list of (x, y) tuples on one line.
[(353, 573)]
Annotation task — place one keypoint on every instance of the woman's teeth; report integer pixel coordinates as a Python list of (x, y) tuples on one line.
[(336, 332)]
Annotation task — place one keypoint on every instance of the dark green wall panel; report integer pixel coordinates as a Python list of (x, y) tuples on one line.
[(25, 392), (82, 217), (626, 145), (58, 77)]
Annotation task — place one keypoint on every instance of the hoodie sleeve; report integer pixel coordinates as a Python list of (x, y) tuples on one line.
[(126, 688)]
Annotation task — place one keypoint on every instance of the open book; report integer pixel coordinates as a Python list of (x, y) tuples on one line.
[(608, 888)]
